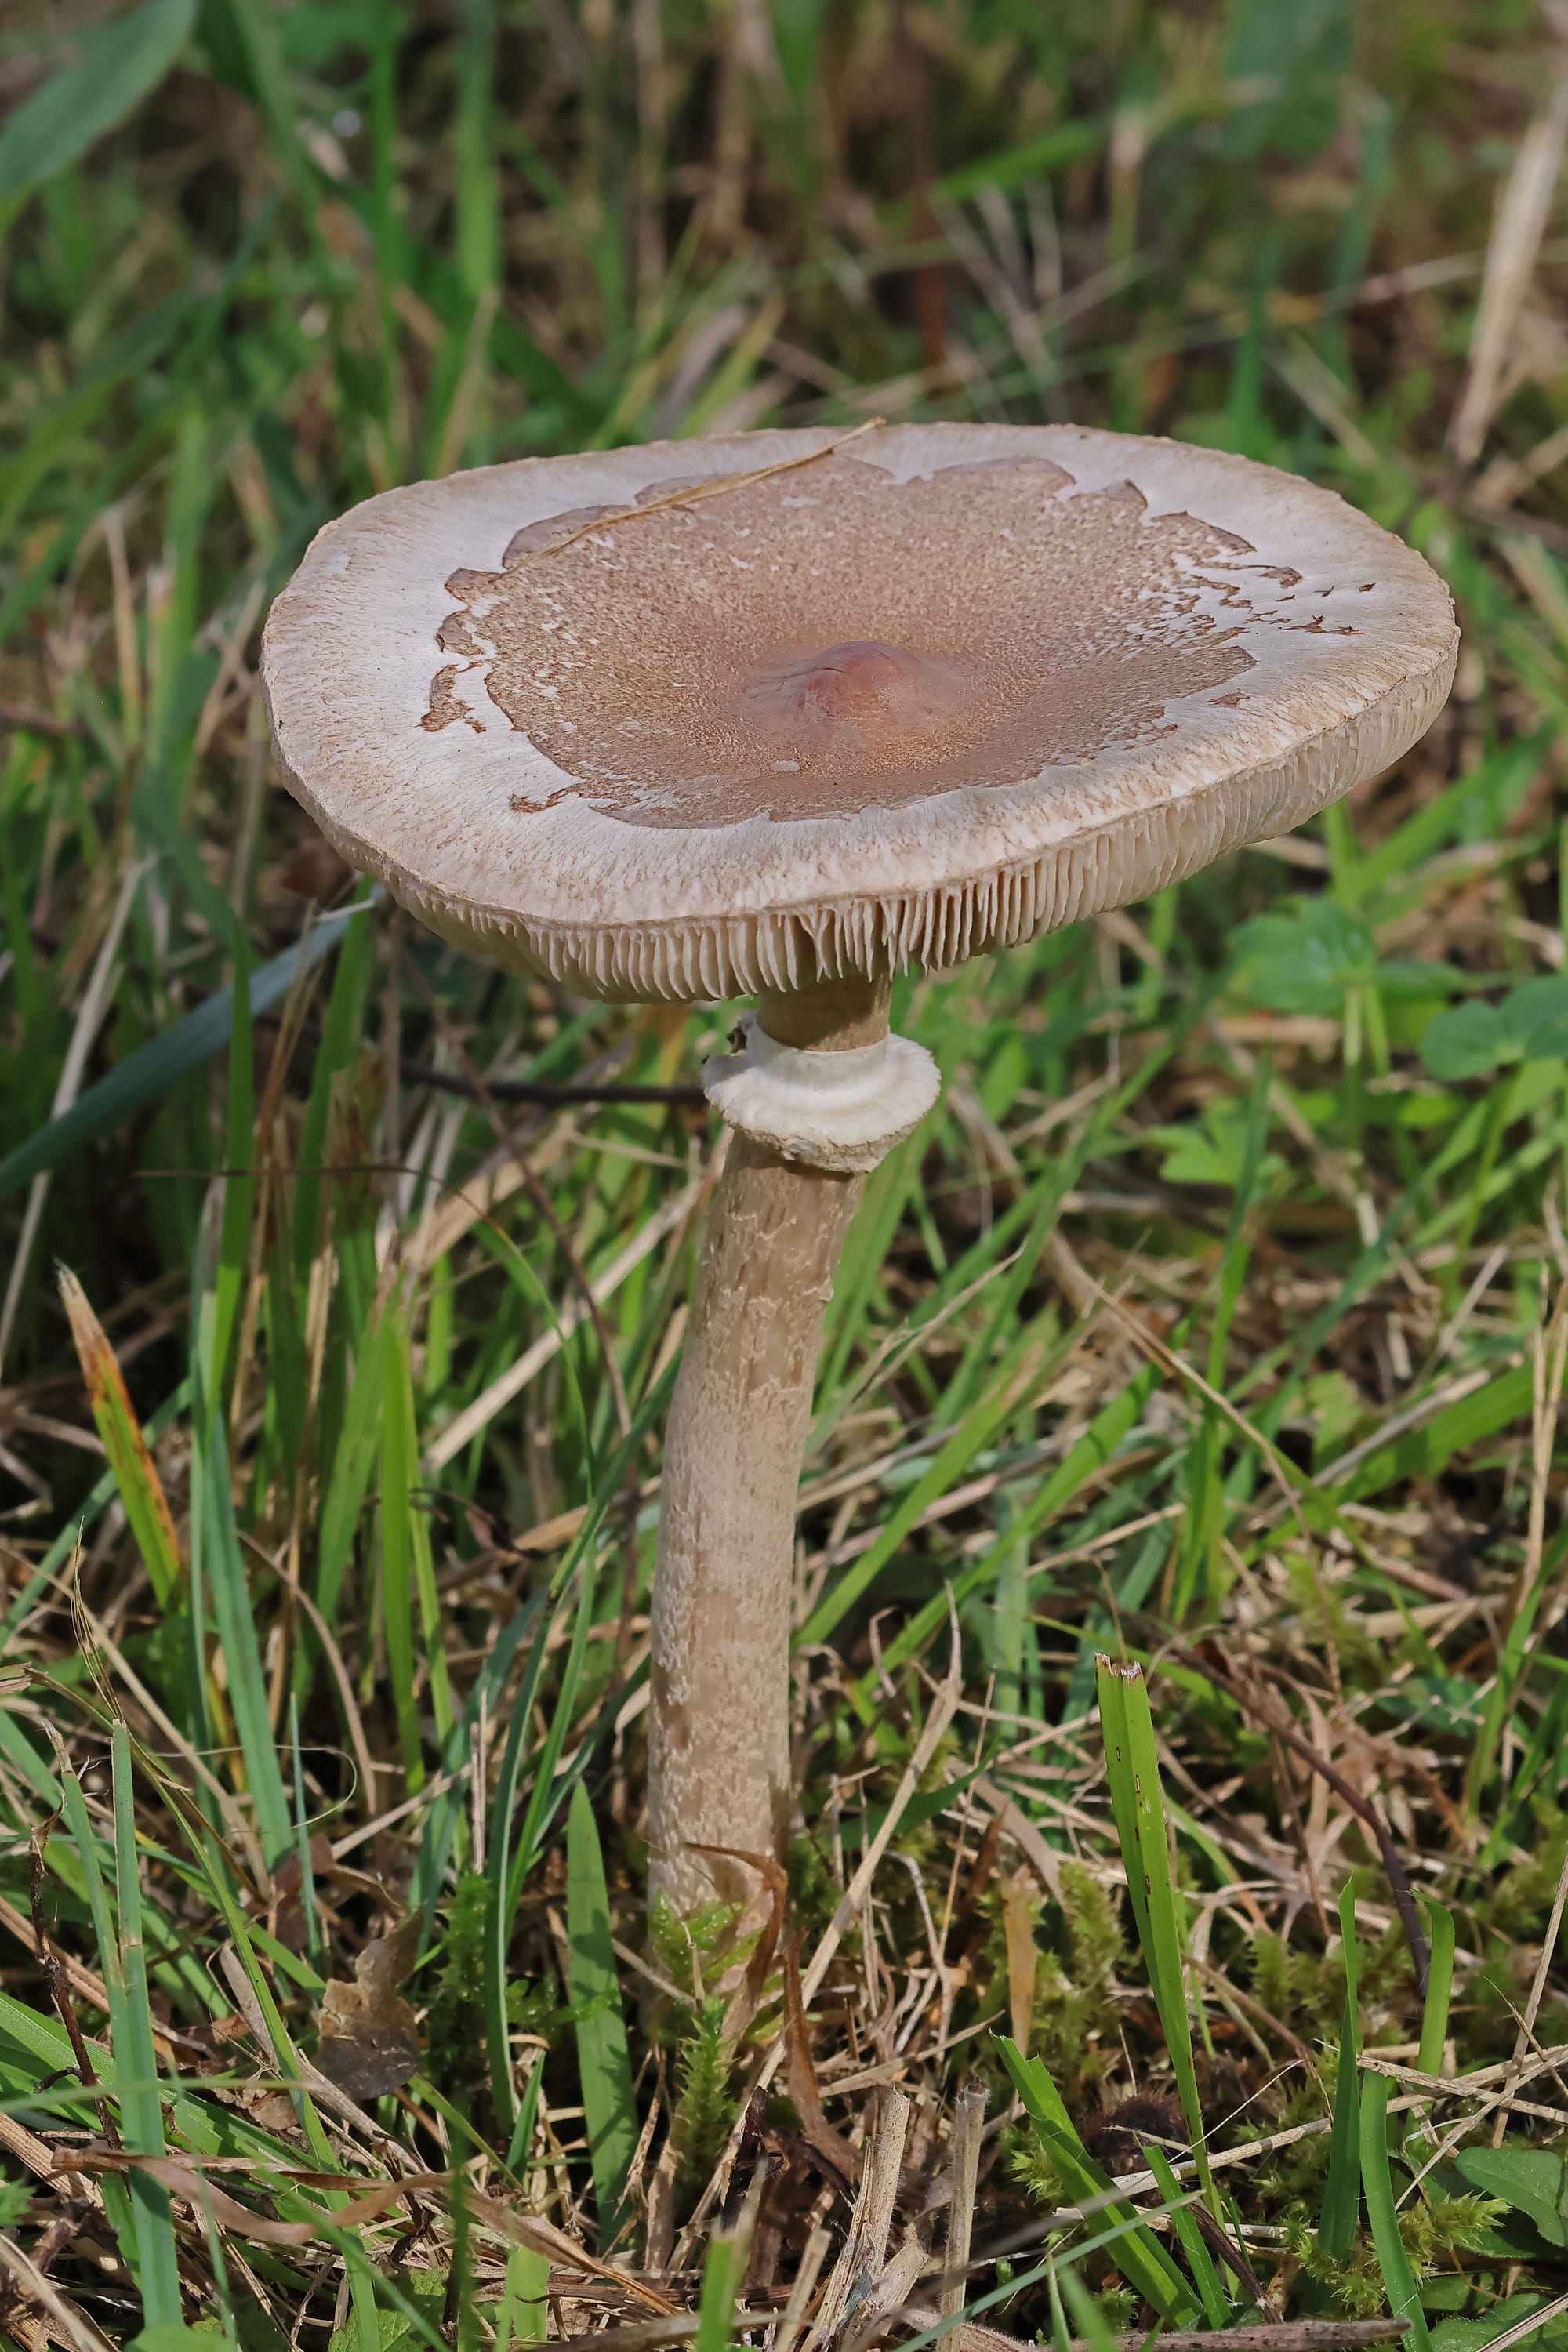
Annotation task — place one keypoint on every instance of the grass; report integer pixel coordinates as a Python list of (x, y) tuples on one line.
[(1214, 1323)]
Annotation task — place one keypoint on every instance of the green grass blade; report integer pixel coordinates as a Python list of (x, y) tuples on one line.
[(1377, 2181), (545, 1795), (721, 2285), (1424, 1453), (1111, 1684), (525, 2306), (521, 2139), (339, 1037), (126, 2217), (499, 1921), (604, 2062), (221, 1567), (446, 1810), (422, 1563), (1007, 1394), (160, 1064), (136, 2063), (123, 59), (1439, 1987), (1090, 2320), (547, 1792), (309, 1907), (1140, 2256), (1419, 2139), (239, 1191), (1137, 1802), (396, 1518), (352, 1461), (1092, 1450), (1342, 2192), (116, 2193), (1200, 2262)]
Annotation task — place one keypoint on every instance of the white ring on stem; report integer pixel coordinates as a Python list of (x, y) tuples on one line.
[(840, 1112)]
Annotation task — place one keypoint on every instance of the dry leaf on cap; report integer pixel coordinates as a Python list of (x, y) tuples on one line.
[(370, 2039)]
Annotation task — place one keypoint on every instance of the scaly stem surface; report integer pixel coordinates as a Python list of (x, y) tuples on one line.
[(719, 1760)]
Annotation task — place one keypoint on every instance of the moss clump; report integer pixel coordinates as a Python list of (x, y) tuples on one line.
[(1303, 1989), (1073, 2016), (696, 1949), (454, 2023), (1435, 2231), (704, 2109)]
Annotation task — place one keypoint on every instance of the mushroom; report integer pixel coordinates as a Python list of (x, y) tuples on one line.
[(771, 716)]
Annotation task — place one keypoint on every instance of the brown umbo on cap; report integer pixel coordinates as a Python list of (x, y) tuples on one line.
[(665, 724)]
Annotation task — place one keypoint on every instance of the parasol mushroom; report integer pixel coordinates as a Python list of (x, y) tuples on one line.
[(776, 717)]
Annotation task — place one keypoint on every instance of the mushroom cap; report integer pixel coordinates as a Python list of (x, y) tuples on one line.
[(690, 720)]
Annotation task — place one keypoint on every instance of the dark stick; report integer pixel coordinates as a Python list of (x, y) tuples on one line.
[(21, 718), (1288, 2335), (974, 2336), (546, 1092), (1283, 2336), (541, 1090), (1221, 2246)]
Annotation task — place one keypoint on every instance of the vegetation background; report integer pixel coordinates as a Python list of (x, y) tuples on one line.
[(1216, 1320)]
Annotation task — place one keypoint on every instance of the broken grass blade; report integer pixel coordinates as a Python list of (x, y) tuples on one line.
[(715, 2307), (524, 2306), (1138, 1801), (135, 1473), (1420, 2142), (103, 1493), (1439, 1987)]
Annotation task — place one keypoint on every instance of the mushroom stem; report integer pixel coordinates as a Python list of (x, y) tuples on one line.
[(719, 1757)]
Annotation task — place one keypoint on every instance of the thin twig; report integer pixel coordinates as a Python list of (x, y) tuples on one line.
[(21, 718), (544, 1093), (968, 2123), (540, 1090)]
